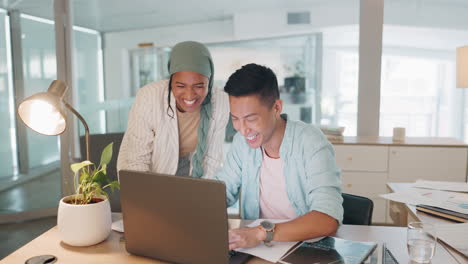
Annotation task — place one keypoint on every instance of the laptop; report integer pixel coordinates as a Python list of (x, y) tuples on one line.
[(176, 219)]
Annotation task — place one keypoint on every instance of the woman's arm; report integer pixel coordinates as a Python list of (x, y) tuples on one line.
[(136, 149), (214, 156)]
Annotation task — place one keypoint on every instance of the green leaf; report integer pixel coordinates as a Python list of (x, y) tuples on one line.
[(100, 178), (75, 167), (84, 177), (92, 181), (104, 168), (114, 185), (96, 187), (106, 155)]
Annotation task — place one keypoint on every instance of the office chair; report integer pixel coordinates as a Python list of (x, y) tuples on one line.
[(98, 142), (357, 210)]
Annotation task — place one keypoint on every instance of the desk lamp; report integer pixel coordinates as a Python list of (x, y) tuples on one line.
[(45, 112)]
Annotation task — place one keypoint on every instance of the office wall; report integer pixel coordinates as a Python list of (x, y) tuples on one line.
[(437, 26), (240, 27), (272, 23), (428, 14), (117, 45), (325, 17)]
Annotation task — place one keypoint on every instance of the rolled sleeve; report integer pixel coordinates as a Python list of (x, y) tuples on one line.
[(324, 182)]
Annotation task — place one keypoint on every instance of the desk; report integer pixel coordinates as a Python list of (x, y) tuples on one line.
[(113, 249), (402, 214)]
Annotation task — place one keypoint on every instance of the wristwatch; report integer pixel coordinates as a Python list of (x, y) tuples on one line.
[(269, 228)]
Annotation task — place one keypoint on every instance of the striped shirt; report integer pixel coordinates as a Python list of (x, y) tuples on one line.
[(151, 142)]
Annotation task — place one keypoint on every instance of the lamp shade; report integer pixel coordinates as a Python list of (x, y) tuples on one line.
[(44, 112), (462, 67)]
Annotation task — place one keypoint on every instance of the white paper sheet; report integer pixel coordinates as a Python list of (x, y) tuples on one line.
[(442, 185), (118, 226), (454, 201), (456, 235), (272, 254)]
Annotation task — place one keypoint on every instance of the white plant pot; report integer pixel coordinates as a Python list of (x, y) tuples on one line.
[(84, 225)]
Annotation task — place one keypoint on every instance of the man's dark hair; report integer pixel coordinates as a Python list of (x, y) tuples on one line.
[(254, 79)]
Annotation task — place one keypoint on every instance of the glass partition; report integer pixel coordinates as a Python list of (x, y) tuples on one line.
[(88, 82), (29, 162), (39, 70), (8, 159), (293, 59)]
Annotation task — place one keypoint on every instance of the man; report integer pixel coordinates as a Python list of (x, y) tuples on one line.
[(286, 169)]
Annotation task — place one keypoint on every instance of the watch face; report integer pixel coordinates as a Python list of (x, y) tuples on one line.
[(267, 225)]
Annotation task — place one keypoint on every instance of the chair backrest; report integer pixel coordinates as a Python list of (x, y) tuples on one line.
[(357, 210), (97, 143)]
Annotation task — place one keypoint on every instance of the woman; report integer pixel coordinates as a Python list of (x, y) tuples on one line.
[(177, 126)]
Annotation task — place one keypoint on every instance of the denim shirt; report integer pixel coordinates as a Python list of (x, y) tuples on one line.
[(313, 180)]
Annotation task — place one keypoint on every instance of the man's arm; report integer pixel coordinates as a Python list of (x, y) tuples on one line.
[(323, 186), (311, 225), (231, 172)]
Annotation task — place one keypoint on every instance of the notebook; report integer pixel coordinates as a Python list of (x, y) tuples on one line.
[(330, 250), (452, 215)]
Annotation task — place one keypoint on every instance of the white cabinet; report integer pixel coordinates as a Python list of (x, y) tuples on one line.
[(366, 169), (362, 158), (370, 185), (407, 164), (364, 173)]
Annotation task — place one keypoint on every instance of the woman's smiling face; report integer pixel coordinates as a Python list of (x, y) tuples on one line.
[(189, 89)]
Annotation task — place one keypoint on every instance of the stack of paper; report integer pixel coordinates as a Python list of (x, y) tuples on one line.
[(448, 214), (454, 201), (451, 196), (333, 133), (442, 185), (272, 254), (455, 235)]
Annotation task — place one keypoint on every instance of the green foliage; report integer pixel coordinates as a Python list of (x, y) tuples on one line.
[(93, 180), (296, 70)]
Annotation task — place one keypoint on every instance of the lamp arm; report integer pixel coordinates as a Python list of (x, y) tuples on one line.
[(84, 124)]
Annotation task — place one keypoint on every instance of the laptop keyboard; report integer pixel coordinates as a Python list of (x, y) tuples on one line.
[(238, 257), (232, 253), (388, 257)]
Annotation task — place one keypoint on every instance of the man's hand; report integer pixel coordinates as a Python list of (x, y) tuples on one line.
[(245, 237)]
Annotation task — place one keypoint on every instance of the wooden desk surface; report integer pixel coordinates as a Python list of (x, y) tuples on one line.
[(113, 249)]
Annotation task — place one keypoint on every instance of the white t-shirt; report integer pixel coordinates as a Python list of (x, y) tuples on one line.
[(274, 201)]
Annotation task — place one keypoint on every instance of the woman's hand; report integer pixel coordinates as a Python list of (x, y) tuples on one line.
[(245, 237)]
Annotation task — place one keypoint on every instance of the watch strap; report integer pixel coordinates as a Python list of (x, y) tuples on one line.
[(269, 236)]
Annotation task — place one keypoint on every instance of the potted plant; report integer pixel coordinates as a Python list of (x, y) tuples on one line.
[(84, 218), (295, 83)]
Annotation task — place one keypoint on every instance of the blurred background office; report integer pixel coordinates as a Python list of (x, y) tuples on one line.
[(117, 46)]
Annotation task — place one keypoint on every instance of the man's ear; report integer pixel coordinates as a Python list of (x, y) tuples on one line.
[(278, 107)]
